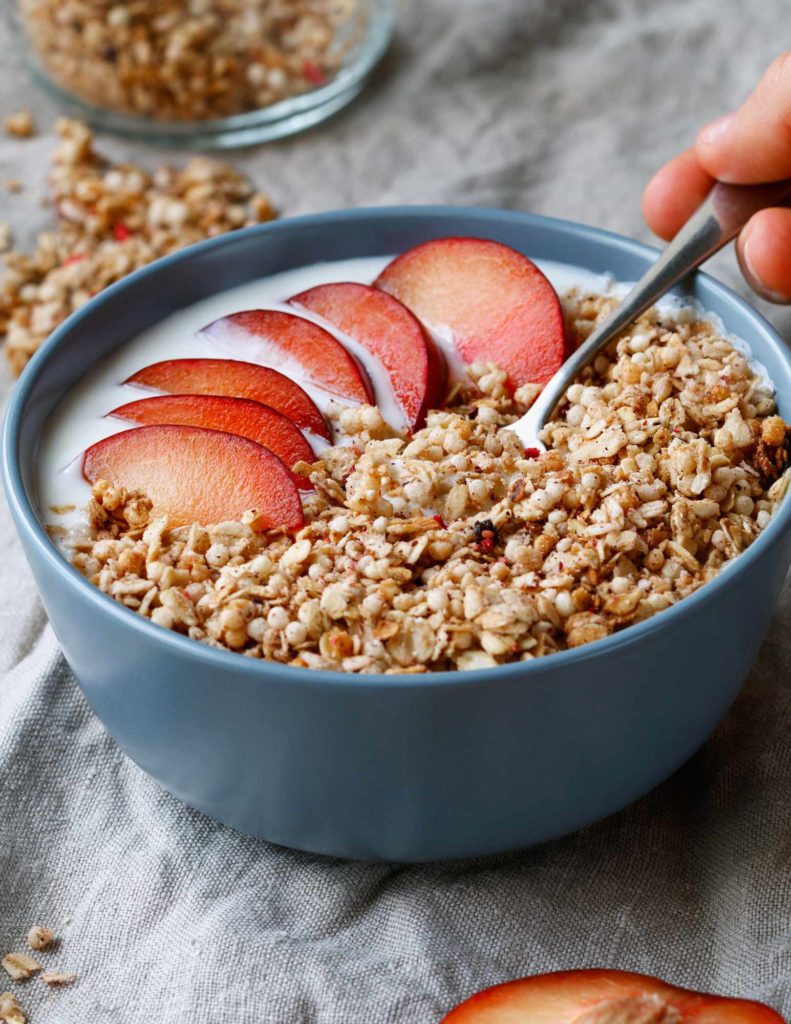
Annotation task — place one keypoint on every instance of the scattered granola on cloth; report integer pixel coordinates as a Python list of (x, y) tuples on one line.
[(10, 1010), (20, 124), (39, 937), (58, 978), (19, 966), (455, 548), (113, 218)]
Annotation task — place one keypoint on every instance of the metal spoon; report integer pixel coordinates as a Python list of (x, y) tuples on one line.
[(720, 217)]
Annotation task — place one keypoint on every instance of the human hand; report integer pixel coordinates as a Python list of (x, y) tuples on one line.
[(750, 146)]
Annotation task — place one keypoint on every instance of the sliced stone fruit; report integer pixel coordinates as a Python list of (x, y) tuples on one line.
[(297, 347), (603, 997), (239, 416), (489, 300), (194, 475), (393, 335), (235, 379)]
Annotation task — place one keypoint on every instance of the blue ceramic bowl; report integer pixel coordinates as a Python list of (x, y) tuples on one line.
[(393, 767)]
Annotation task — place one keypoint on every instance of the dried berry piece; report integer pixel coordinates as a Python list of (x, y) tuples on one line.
[(486, 536)]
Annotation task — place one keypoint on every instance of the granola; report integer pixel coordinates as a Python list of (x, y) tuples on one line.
[(10, 1010), (20, 124), (58, 978), (19, 966), (456, 548), (39, 937), (176, 61), (113, 219)]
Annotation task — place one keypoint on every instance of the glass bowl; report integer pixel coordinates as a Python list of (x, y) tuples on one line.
[(358, 43)]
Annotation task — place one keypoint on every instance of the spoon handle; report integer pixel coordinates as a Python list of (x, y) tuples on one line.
[(717, 220)]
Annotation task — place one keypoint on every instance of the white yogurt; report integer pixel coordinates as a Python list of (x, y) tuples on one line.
[(80, 420)]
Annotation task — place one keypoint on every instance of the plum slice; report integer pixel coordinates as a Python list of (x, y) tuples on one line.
[(239, 416), (393, 335), (194, 475), (295, 346), (235, 379), (603, 997), (495, 304)]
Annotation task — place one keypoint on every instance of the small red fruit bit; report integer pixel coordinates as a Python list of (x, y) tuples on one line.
[(603, 997), (440, 521), (121, 232), (313, 72), (532, 453), (74, 258), (486, 536)]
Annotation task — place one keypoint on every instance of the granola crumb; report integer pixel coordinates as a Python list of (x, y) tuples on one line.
[(39, 937), (771, 456), (12, 185), (112, 219), (58, 977), (6, 237), (456, 549), (20, 124), (19, 966), (10, 1010)]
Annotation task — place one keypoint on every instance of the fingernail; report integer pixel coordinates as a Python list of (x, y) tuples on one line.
[(749, 266), (714, 129), (753, 277)]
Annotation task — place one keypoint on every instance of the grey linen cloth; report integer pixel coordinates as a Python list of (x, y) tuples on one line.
[(561, 107)]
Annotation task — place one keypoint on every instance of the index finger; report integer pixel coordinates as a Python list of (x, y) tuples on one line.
[(674, 193)]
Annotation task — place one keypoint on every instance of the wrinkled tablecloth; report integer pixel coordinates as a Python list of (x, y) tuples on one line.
[(560, 107)]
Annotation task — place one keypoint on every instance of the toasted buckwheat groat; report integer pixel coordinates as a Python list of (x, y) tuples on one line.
[(457, 549)]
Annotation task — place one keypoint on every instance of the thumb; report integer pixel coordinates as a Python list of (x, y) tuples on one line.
[(753, 144)]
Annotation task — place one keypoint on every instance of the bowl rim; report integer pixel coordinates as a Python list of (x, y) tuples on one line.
[(27, 518)]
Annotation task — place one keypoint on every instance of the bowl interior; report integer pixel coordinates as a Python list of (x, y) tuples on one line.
[(170, 284)]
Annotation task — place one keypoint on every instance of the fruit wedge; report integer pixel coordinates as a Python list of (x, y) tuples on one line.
[(193, 475), (603, 997), (235, 379), (239, 416), (386, 328), (490, 300), (295, 346)]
